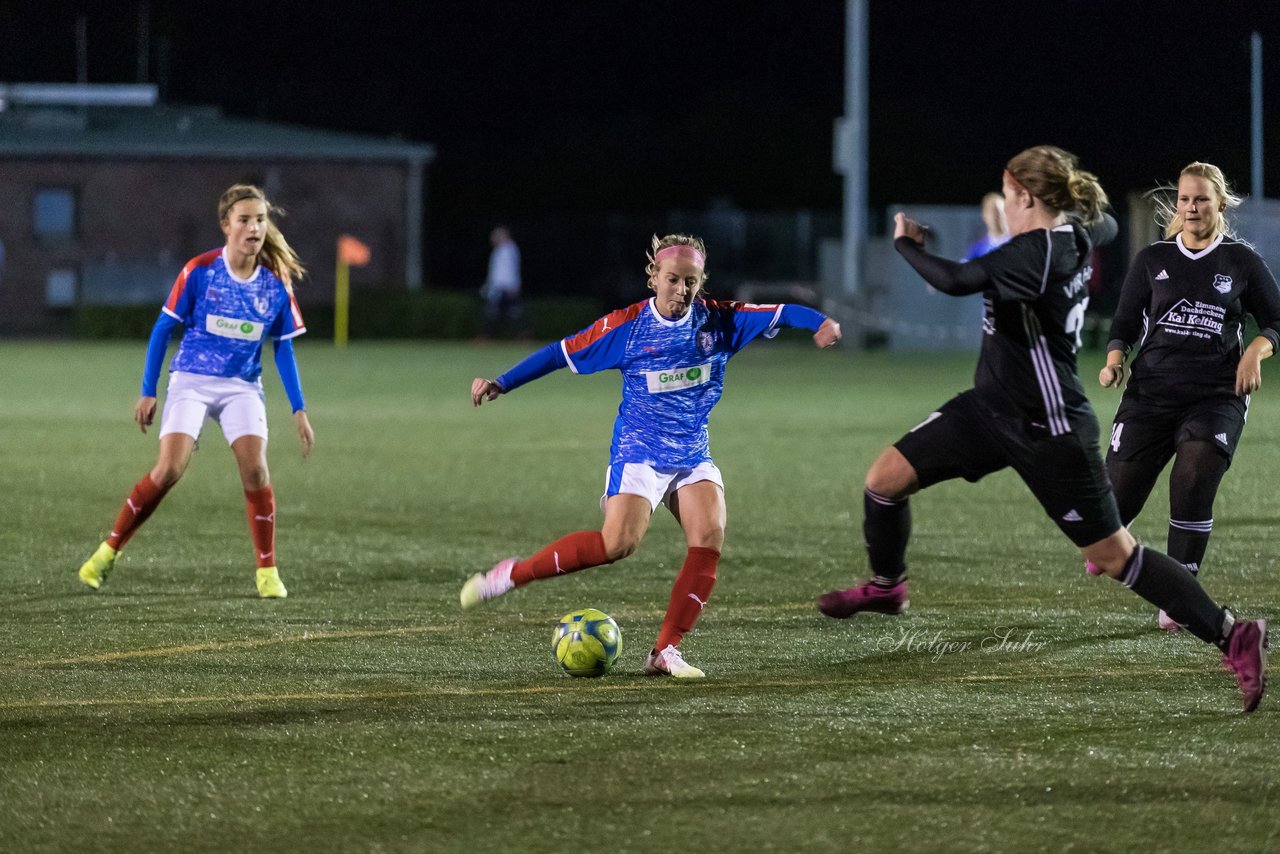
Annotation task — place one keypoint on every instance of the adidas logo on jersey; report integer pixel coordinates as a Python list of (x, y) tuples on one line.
[(1221, 437), (1162, 275), (1072, 516)]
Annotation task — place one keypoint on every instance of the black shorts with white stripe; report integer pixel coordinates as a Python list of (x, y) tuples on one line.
[(968, 438), (1144, 431)]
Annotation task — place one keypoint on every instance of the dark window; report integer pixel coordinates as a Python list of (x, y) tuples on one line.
[(60, 288), (54, 213)]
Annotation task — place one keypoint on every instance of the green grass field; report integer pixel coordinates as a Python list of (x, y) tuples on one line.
[(175, 711)]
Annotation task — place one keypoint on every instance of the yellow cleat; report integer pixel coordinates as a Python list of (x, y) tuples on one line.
[(94, 571), (269, 584)]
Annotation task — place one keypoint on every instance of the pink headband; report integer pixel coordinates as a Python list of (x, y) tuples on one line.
[(681, 251)]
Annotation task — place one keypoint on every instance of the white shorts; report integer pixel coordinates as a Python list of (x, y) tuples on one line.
[(655, 484), (238, 406)]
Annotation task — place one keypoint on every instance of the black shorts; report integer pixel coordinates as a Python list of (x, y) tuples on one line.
[(965, 438), (1146, 432)]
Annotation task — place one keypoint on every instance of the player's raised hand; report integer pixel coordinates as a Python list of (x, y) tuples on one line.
[(905, 226), (828, 334), (482, 390), (144, 412)]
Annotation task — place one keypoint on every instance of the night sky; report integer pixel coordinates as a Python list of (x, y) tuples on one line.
[(642, 107)]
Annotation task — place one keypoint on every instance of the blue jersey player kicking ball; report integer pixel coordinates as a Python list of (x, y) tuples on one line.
[(671, 350), (228, 301)]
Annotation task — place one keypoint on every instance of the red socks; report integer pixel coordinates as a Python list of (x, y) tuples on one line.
[(689, 595), (570, 553), (146, 496), (142, 501), (262, 523), (585, 549)]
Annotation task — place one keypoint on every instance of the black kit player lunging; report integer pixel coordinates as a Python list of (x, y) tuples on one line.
[(1183, 304), (1027, 410)]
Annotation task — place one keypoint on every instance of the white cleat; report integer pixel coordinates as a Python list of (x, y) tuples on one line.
[(1169, 624), (670, 662), (484, 586)]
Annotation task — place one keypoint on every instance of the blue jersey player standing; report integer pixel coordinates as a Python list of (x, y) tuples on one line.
[(228, 301), (671, 350)]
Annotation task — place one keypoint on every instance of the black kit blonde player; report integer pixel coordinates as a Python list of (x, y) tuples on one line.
[(1182, 309)]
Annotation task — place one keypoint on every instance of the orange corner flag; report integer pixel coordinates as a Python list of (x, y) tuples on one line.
[(352, 251)]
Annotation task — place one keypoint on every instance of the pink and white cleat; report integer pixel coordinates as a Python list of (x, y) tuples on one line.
[(669, 662), (484, 586)]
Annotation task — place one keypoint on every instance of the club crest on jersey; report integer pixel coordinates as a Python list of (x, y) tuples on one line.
[(262, 303), (674, 379), (1221, 283), (230, 327), (706, 341)]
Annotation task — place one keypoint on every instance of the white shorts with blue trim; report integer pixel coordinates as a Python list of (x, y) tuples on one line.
[(239, 407), (655, 484)]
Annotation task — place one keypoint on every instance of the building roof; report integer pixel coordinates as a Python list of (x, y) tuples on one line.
[(85, 121)]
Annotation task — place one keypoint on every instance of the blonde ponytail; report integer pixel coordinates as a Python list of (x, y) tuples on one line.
[(1049, 173)]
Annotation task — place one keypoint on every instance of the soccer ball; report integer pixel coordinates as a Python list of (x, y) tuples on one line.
[(586, 642)]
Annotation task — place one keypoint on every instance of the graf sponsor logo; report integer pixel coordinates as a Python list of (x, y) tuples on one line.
[(677, 378), (230, 327)]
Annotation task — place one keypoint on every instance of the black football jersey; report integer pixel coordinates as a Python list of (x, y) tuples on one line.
[(1185, 311), (1034, 311)]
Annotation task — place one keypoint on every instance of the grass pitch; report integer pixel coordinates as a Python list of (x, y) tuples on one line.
[(1020, 705)]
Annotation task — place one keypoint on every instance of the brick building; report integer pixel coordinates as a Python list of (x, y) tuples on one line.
[(105, 193)]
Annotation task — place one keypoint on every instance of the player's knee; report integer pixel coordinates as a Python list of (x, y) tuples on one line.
[(892, 476), (254, 476), (1110, 567), (621, 544), (712, 538), (166, 474), (1112, 554), (620, 549)]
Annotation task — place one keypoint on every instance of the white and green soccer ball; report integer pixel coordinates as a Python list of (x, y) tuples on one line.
[(586, 642)]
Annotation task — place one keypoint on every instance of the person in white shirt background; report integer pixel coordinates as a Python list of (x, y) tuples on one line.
[(501, 289)]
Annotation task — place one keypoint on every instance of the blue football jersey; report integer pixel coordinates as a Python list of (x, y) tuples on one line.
[(225, 318), (672, 372)]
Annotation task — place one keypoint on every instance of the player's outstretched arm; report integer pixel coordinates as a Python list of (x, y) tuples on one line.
[(949, 277), (537, 364), (828, 334), (483, 389), (144, 412)]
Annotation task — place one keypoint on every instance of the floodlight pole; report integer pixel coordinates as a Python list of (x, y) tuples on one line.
[(1256, 188), (851, 141)]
